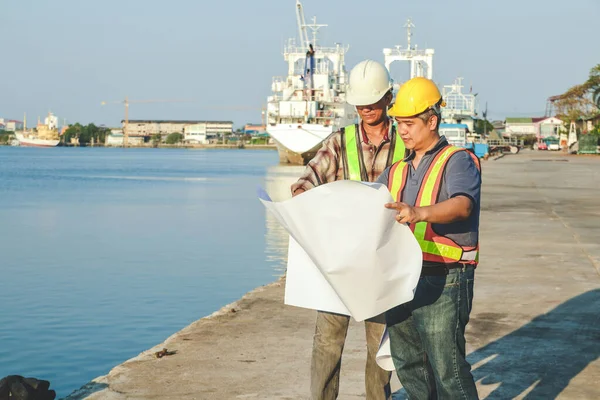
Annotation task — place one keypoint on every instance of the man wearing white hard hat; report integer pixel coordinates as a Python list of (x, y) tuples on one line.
[(357, 152)]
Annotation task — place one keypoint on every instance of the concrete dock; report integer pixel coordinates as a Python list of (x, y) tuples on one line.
[(534, 331)]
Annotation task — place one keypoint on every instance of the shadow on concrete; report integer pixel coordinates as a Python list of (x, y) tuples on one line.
[(538, 360), (544, 355)]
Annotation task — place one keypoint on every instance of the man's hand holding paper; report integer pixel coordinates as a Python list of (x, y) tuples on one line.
[(347, 253)]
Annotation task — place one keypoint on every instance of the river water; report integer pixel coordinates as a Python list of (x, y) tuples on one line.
[(105, 253)]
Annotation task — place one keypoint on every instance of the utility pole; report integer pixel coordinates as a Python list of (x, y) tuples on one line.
[(125, 128), (126, 103), (485, 112)]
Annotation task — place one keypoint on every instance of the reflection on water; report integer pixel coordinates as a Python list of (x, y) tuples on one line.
[(278, 180)]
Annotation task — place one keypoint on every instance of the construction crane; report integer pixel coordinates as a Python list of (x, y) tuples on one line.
[(126, 102), (263, 110)]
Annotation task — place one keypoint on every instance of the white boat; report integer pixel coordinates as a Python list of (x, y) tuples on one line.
[(29, 139), (309, 104), (44, 135)]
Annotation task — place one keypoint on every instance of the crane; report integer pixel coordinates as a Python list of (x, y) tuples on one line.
[(262, 109), (126, 102), (301, 25)]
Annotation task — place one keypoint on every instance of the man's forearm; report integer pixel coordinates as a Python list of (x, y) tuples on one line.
[(452, 210), (303, 184)]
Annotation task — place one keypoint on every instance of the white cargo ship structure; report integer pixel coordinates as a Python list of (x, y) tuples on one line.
[(309, 104), (44, 135), (460, 112)]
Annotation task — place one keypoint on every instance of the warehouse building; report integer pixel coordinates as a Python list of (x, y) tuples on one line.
[(165, 127)]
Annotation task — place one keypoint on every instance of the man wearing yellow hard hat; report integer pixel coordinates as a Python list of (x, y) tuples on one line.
[(359, 152), (436, 189)]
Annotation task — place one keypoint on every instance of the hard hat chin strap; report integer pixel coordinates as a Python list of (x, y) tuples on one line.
[(437, 107)]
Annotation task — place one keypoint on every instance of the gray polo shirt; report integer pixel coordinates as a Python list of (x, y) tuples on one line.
[(461, 178)]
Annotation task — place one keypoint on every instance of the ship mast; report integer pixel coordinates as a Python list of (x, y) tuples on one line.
[(408, 27), (314, 27)]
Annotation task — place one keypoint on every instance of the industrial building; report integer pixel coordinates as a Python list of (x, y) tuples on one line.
[(195, 134), (115, 139), (13, 125), (541, 127), (166, 127), (254, 129)]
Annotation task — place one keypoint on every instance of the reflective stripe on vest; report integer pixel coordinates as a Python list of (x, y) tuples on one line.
[(351, 147), (436, 248)]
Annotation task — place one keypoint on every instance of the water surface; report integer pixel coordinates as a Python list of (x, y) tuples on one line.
[(106, 252)]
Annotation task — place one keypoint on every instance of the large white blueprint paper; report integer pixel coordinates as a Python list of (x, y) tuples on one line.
[(352, 256), (384, 353)]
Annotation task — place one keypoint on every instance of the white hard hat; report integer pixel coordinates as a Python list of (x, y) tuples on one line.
[(368, 82)]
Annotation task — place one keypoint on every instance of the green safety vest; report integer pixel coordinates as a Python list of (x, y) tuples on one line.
[(352, 156)]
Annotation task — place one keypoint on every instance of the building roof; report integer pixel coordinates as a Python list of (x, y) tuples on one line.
[(519, 120), (443, 125), (173, 121), (551, 118)]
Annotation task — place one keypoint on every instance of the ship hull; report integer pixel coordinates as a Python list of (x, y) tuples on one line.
[(298, 144), (287, 156), (29, 142)]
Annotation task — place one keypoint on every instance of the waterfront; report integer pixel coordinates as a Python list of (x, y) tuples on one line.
[(107, 252), (533, 331)]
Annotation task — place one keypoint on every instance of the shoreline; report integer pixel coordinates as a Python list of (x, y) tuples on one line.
[(167, 146), (91, 389)]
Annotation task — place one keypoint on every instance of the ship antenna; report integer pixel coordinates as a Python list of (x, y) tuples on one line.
[(408, 27), (315, 27)]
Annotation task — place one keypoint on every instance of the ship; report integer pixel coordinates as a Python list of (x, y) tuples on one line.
[(309, 104), (459, 115), (44, 135)]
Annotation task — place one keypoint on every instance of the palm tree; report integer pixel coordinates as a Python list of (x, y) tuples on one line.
[(593, 83), (596, 97)]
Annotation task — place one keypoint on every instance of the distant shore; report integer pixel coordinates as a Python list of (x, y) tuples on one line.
[(185, 146)]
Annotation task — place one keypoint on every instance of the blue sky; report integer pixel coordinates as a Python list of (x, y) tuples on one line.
[(69, 55)]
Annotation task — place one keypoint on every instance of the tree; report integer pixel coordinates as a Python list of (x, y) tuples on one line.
[(73, 131), (85, 133), (580, 101), (174, 138), (480, 126), (5, 136), (594, 84), (155, 139)]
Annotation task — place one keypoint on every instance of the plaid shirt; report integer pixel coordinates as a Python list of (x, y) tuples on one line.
[(327, 165)]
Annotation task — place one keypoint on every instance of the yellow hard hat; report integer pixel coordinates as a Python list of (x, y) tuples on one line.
[(414, 97)]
